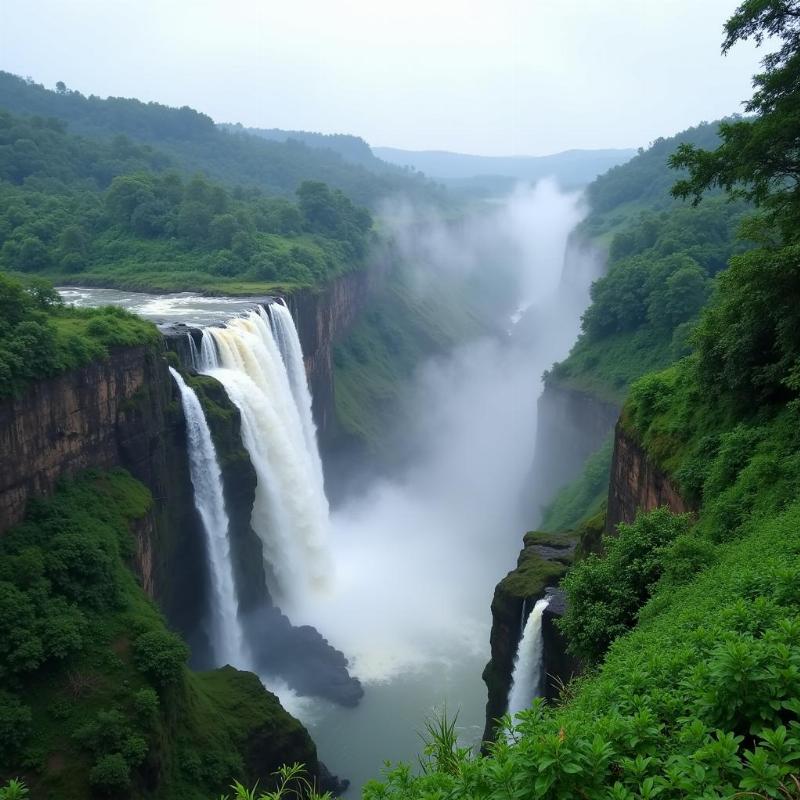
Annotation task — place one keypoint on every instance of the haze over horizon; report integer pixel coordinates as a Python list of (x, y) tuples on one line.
[(517, 79)]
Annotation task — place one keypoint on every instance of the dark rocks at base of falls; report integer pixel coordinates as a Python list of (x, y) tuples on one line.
[(301, 656)]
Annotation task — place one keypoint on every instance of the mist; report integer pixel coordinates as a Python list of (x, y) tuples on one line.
[(416, 556)]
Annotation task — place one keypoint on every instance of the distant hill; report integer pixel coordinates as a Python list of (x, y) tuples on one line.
[(570, 168), (351, 148), (231, 155)]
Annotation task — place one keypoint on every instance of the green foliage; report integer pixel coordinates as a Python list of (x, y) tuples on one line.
[(292, 782), (660, 275), (605, 592), (110, 774), (190, 141), (40, 338), (95, 696), (95, 211), (748, 343), (13, 790), (161, 655)]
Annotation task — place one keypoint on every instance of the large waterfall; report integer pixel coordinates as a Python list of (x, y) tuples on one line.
[(261, 368), (527, 677), (226, 633)]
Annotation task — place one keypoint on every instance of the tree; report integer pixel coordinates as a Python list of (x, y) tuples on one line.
[(161, 655), (747, 343), (758, 158)]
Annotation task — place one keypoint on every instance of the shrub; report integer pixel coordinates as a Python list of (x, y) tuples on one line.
[(111, 774), (161, 655), (15, 720), (606, 591)]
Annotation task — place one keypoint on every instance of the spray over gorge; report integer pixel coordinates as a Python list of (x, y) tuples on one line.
[(416, 555)]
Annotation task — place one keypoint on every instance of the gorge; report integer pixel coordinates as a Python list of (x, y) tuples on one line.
[(320, 478), (271, 562)]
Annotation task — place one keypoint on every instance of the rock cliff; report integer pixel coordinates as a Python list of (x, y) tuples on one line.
[(637, 483), (116, 412), (571, 425), (322, 318), (541, 564)]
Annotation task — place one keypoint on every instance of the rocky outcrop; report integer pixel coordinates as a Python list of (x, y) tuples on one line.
[(571, 425), (558, 665), (637, 483), (544, 559)]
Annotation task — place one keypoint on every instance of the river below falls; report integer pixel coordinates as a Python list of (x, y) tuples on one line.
[(388, 723)]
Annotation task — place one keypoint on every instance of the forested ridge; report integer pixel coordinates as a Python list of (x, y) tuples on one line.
[(195, 144), (118, 213)]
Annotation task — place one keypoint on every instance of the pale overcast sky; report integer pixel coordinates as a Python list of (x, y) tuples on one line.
[(502, 77)]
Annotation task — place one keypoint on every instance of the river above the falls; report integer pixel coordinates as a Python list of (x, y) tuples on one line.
[(186, 307)]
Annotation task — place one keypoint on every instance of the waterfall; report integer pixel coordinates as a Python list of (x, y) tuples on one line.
[(285, 333), (290, 512), (194, 356), (226, 632), (527, 676)]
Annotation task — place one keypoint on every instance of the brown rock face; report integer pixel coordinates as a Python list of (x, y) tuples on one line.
[(113, 413), (636, 483), (86, 418), (322, 318)]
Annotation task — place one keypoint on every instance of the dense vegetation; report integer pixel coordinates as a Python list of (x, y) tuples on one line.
[(40, 338), (661, 270), (96, 697), (114, 213), (690, 629), (195, 144)]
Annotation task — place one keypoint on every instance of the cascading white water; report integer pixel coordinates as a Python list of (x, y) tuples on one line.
[(285, 332), (527, 675), (194, 356), (290, 512), (226, 632)]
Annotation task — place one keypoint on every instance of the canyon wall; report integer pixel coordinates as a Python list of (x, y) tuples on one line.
[(571, 425), (637, 483), (119, 412)]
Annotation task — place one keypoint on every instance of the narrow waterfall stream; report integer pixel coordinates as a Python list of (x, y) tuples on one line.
[(527, 677), (226, 632)]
